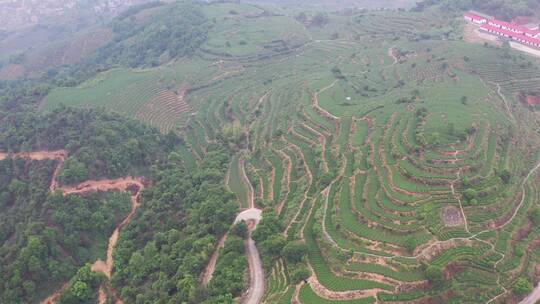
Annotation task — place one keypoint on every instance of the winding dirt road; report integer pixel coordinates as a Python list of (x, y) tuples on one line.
[(208, 271), (252, 217), (256, 289), (533, 297), (59, 155), (134, 185)]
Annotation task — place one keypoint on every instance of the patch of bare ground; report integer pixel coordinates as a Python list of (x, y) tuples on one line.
[(11, 72), (37, 155), (473, 34), (451, 216), (456, 153)]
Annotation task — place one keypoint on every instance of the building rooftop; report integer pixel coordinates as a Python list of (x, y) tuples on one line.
[(481, 14), (510, 33), (474, 16)]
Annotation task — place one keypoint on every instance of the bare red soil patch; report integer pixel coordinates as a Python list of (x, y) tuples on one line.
[(451, 216), (529, 98), (524, 232), (11, 72)]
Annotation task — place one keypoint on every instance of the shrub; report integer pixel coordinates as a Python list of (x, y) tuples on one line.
[(300, 275), (505, 176), (240, 230), (410, 243), (522, 286), (470, 194), (294, 252), (435, 275), (534, 216)]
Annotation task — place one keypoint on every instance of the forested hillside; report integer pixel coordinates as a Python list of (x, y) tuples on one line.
[(175, 31), (46, 237), (142, 36), (505, 10), (162, 253), (98, 144)]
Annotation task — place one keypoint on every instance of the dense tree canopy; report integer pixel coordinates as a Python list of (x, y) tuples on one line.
[(176, 31), (502, 9), (163, 250), (228, 278), (82, 287), (98, 144), (45, 237)]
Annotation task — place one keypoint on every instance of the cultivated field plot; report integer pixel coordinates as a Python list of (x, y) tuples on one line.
[(403, 160), (155, 96)]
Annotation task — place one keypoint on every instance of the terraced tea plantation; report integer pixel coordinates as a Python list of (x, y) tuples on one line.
[(394, 150)]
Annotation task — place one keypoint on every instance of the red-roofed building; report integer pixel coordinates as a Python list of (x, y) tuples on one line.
[(511, 35), (511, 31), (497, 31), (533, 100), (528, 40), (531, 33), (475, 18), (516, 28)]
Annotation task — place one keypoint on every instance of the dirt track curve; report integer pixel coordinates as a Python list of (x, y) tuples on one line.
[(533, 297), (256, 273)]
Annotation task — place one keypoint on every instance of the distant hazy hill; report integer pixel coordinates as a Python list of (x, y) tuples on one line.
[(340, 4)]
